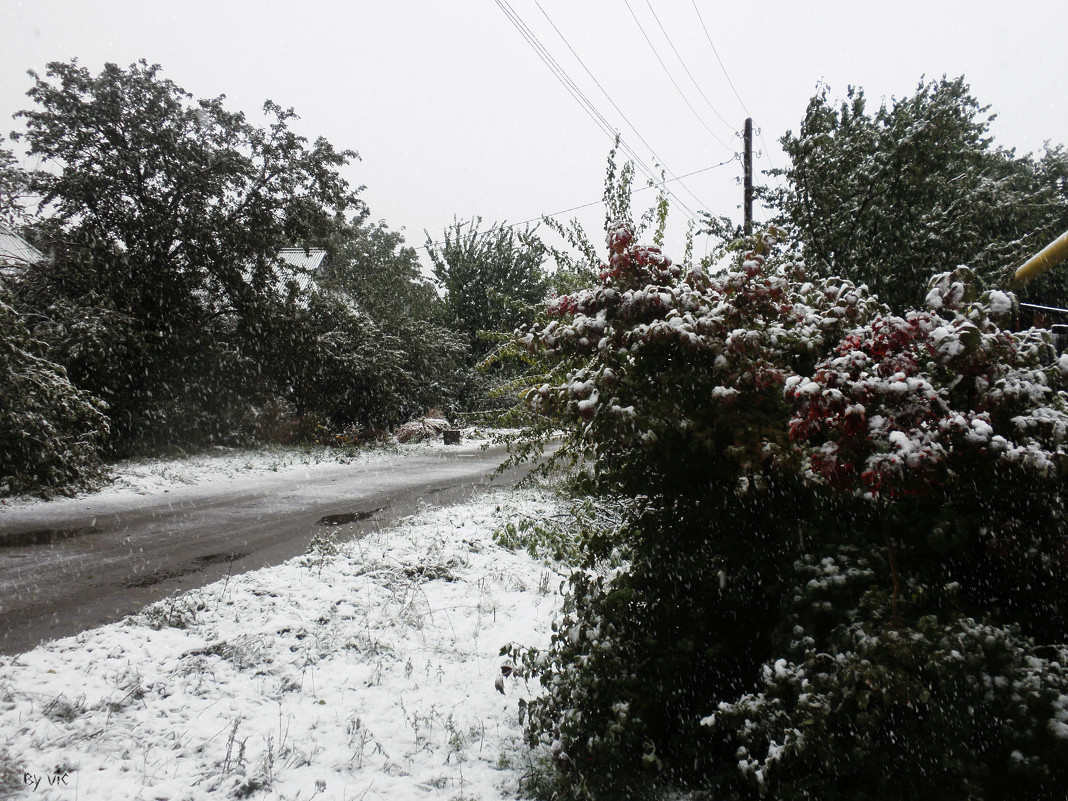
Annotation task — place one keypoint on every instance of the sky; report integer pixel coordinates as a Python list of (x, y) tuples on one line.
[(455, 114)]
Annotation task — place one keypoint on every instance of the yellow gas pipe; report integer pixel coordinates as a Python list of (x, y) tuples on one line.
[(1046, 259)]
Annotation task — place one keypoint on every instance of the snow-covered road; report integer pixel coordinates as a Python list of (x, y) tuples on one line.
[(72, 564)]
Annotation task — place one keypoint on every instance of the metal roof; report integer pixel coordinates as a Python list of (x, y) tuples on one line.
[(310, 260), (14, 250), (300, 266)]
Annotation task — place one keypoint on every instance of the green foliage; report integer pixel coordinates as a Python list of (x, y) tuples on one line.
[(165, 216), (946, 705), (579, 264), (956, 429), (540, 540), (948, 435), (164, 295), (891, 198), (944, 709), (372, 265), (672, 394), (822, 492), (50, 431), (492, 279), (13, 187), (333, 358)]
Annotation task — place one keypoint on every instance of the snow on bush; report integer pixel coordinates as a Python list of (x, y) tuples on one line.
[(821, 491), (906, 404), (50, 431), (659, 355), (955, 710)]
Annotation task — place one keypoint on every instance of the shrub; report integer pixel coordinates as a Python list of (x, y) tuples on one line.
[(821, 492), (672, 393), (956, 430), (50, 431), (955, 709)]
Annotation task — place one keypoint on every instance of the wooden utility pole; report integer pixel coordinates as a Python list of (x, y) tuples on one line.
[(748, 176)]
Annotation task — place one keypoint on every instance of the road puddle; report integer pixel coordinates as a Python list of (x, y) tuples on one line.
[(348, 517), (199, 563), (42, 536)]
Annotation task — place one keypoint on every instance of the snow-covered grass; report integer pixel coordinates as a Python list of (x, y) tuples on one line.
[(362, 670)]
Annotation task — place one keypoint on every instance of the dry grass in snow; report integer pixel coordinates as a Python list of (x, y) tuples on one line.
[(362, 670)]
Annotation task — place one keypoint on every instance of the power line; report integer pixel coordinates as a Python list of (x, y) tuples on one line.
[(712, 44), (578, 95), (760, 130), (573, 89), (697, 86), (674, 83), (596, 202), (554, 67), (613, 102)]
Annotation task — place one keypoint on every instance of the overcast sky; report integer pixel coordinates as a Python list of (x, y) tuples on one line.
[(454, 113)]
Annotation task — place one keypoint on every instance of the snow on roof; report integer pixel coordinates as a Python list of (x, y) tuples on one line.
[(301, 266), (15, 252), (310, 260)]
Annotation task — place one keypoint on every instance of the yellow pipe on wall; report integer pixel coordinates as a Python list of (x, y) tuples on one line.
[(1046, 259)]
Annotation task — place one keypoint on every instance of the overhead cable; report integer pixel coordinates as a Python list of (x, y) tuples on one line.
[(760, 131), (712, 44), (569, 84), (697, 86), (671, 78), (506, 226), (604, 91)]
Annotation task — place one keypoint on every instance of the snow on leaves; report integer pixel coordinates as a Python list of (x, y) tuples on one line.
[(905, 400), (651, 321), (752, 410), (872, 402)]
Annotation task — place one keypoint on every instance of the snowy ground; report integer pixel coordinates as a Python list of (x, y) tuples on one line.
[(132, 480), (359, 671)]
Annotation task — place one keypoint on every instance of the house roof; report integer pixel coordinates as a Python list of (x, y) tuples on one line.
[(310, 260), (15, 253), (302, 267), (14, 250)]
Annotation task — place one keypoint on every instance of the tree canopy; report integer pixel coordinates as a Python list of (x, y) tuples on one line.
[(372, 265), (13, 186), (164, 217), (492, 279), (185, 192), (918, 187)]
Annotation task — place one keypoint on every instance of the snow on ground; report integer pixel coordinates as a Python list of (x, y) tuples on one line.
[(137, 482), (362, 670)]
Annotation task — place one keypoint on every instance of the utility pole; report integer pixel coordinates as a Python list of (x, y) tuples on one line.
[(748, 176)]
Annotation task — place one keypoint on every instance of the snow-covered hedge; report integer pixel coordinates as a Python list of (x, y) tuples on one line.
[(664, 358), (907, 404), (937, 710), (768, 428)]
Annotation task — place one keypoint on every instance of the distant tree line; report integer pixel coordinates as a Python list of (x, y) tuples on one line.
[(162, 317)]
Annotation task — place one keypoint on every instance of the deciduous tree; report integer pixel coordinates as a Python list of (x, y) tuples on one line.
[(169, 212), (918, 187), (492, 279)]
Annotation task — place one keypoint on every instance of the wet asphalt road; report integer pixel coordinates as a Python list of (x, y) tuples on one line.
[(65, 571)]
